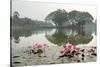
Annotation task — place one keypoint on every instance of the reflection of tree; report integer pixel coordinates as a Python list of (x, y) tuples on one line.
[(79, 39), (60, 38), (16, 39), (17, 33), (23, 33)]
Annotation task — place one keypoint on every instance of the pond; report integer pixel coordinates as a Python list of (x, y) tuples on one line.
[(54, 39)]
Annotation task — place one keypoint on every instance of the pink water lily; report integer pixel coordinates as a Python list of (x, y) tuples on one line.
[(39, 46), (37, 49), (62, 51), (34, 46), (69, 48), (77, 49)]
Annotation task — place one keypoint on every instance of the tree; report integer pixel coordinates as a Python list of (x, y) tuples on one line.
[(80, 17), (16, 19), (58, 17), (16, 14), (84, 18), (73, 16)]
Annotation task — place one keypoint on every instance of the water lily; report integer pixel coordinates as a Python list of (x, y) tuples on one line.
[(69, 46), (77, 49), (38, 49), (63, 50), (39, 46), (69, 50), (34, 46), (45, 46)]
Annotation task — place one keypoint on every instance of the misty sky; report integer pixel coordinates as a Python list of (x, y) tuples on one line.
[(39, 10)]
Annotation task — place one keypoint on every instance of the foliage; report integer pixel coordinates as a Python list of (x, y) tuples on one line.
[(59, 17), (61, 38), (27, 22)]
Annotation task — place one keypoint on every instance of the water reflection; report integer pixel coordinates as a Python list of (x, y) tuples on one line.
[(17, 33), (73, 36), (59, 37)]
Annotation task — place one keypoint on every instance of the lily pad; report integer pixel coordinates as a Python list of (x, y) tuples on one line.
[(16, 62), (16, 56)]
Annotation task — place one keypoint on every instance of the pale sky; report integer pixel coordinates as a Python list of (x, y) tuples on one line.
[(39, 10)]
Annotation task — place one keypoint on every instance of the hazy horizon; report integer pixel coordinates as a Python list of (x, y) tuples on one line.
[(39, 10)]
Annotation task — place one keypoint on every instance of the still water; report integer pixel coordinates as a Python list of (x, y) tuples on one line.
[(55, 38)]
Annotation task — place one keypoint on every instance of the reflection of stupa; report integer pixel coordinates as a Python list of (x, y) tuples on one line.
[(61, 37)]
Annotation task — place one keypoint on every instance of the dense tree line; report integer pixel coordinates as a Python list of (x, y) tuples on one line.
[(27, 22), (60, 16)]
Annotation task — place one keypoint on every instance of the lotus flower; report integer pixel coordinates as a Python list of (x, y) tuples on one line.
[(63, 50), (34, 46), (39, 46), (77, 49), (69, 48)]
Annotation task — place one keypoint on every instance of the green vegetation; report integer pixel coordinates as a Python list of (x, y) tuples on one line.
[(60, 38), (73, 18), (59, 17), (18, 22)]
